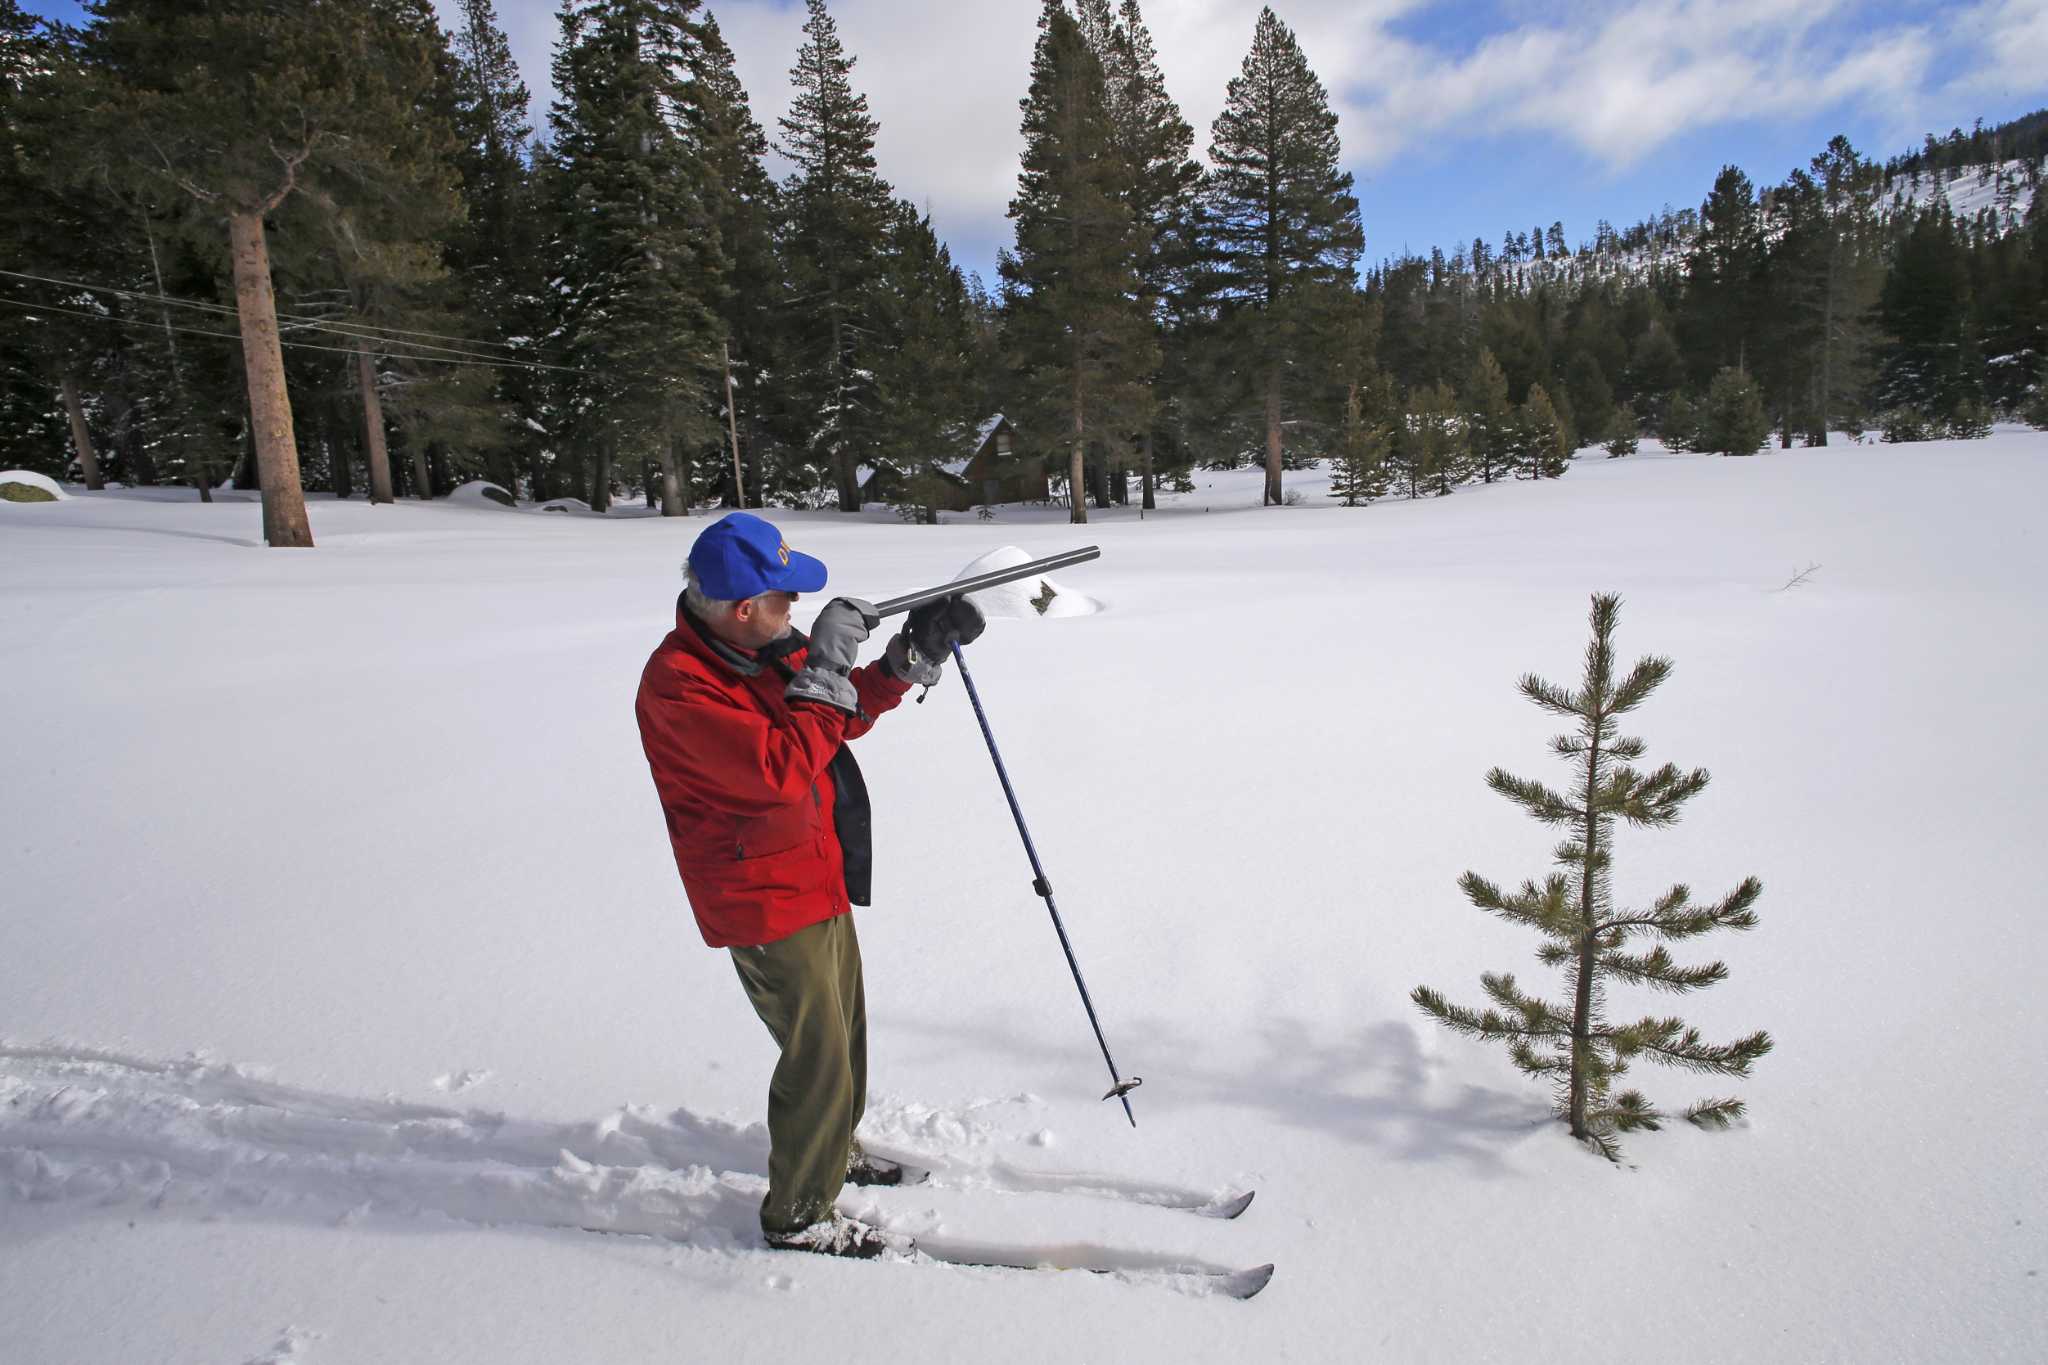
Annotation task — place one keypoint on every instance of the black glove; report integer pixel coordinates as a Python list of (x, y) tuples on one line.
[(934, 628), (836, 638)]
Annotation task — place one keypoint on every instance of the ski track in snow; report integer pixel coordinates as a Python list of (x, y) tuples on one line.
[(100, 1130)]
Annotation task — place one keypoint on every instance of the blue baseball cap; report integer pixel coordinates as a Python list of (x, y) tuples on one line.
[(741, 556)]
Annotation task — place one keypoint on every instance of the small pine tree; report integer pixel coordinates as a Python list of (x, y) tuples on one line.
[(1489, 417), (1622, 432), (1680, 428), (1371, 412), (1905, 424), (1543, 449), (1575, 1046), (1440, 437), (2035, 413), (1733, 422)]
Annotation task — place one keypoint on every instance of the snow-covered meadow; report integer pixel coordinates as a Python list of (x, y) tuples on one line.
[(346, 977)]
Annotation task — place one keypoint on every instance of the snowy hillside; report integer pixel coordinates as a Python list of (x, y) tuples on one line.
[(347, 980), (2006, 191)]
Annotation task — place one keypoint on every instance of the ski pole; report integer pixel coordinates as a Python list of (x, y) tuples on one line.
[(1122, 1088), (960, 587)]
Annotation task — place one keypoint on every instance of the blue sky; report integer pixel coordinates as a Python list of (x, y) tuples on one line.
[(1457, 119)]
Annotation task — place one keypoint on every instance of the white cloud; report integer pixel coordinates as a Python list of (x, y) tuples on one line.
[(1618, 79)]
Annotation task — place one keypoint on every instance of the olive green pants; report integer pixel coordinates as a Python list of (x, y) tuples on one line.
[(807, 990)]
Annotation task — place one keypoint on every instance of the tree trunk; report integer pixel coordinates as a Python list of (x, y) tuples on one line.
[(270, 409), (247, 474), (338, 471), (1272, 497), (673, 504), (375, 452), (732, 430), (1582, 1005), (1098, 482), (81, 439), (1077, 460), (601, 484), (1147, 505), (842, 458), (422, 472)]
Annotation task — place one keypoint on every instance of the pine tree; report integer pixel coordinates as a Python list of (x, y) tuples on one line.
[(924, 362), (1075, 327), (1724, 272), (494, 254), (1930, 361), (1161, 178), (1282, 223), (1365, 440), (1732, 421), (55, 339), (1439, 433), (1622, 433), (1543, 449), (1489, 417), (838, 210), (241, 105), (1576, 1046), (744, 209), (1365, 446), (642, 265)]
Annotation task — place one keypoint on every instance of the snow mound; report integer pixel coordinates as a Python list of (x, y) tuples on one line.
[(482, 491), (23, 485), (574, 505), (1027, 597)]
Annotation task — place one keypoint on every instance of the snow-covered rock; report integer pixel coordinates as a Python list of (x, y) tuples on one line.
[(25, 485)]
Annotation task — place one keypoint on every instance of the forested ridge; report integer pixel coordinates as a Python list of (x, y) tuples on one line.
[(321, 247)]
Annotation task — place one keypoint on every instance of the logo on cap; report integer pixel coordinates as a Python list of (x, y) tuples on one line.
[(783, 551)]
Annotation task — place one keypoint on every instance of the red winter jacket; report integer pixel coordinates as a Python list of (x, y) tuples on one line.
[(756, 803)]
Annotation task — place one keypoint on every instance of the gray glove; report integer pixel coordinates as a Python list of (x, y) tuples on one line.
[(836, 638), (905, 662)]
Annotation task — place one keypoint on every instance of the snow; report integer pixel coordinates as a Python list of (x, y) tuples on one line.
[(482, 493), (982, 433), (30, 479), (346, 968)]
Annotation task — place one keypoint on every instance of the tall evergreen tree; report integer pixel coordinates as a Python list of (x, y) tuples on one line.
[(240, 105), (924, 358), (1283, 225), (1576, 1046), (1724, 274), (1160, 182), (744, 205), (1929, 361), (495, 253), (1075, 326), (1490, 418), (641, 265), (838, 210)]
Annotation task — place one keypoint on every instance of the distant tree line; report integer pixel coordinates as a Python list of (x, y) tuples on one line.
[(319, 246)]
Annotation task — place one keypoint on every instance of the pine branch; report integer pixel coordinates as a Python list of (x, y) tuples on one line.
[(1539, 1018), (1533, 1063), (1538, 800), (1672, 1043), (1656, 969), (1551, 697), (1642, 680), (1653, 801), (1717, 1113), (1546, 909)]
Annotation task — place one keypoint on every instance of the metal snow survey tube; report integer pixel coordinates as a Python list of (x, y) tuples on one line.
[(994, 577)]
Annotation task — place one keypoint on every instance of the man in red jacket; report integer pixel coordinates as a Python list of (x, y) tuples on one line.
[(745, 723)]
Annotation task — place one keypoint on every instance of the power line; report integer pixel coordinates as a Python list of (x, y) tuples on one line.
[(296, 345), (370, 331)]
